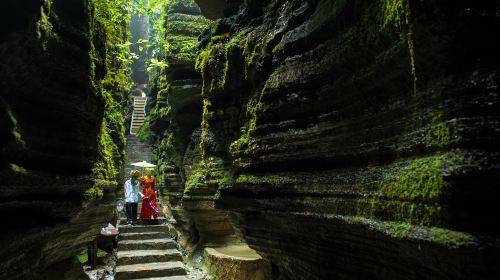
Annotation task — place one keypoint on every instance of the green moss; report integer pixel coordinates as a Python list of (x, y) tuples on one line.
[(274, 180), (245, 146), (209, 63), (439, 133), (18, 169), (196, 180), (397, 230), (181, 48), (206, 115), (44, 26), (404, 211), (208, 173), (411, 190), (109, 21), (172, 231), (94, 192), (174, 5), (16, 129), (144, 133), (450, 238), (394, 12), (397, 13), (188, 25), (256, 54), (233, 44), (83, 256), (251, 48), (105, 170), (421, 178), (443, 237)]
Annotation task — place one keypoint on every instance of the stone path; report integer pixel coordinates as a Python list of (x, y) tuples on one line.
[(145, 251), (148, 252), (136, 151)]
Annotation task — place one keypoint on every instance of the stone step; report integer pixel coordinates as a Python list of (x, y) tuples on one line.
[(147, 256), (138, 271), (147, 244), (158, 221), (166, 278), (142, 228), (144, 235)]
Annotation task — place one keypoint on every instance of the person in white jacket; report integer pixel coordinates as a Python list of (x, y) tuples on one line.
[(131, 197)]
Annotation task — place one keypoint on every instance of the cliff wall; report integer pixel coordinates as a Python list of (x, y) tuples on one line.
[(357, 139), (174, 122), (61, 130)]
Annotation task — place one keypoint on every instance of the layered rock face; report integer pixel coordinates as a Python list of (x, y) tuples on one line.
[(57, 144), (175, 120), (357, 139), (216, 9)]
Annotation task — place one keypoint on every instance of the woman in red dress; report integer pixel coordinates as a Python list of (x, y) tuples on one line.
[(149, 207)]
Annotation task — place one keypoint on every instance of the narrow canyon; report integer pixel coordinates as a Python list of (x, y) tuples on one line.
[(290, 139)]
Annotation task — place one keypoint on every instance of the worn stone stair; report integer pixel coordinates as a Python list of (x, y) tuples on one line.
[(138, 114), (140, 256), (166, 278), (143, 235), (148, 270), (146, 252)]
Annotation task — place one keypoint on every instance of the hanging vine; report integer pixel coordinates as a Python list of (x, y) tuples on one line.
[(397, 13)]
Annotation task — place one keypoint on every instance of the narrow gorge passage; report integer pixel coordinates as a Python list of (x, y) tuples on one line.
[(288, 139)]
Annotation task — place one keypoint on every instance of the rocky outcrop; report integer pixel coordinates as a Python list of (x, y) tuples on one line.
[(216, 9), (234, 262), (175, 122), (356, 139), (59, 149)]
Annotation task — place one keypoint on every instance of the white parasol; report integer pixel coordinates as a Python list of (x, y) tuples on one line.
[(143, 164)]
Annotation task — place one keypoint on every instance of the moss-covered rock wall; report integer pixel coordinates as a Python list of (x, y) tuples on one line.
[(62, 136), (189, 183), (356, 139)]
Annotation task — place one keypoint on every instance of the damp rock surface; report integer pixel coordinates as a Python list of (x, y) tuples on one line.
[(59, 148), (356, 139)]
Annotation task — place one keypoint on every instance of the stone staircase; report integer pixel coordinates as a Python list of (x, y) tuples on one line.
[(136, 151), (147, 252), (138, 114)]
